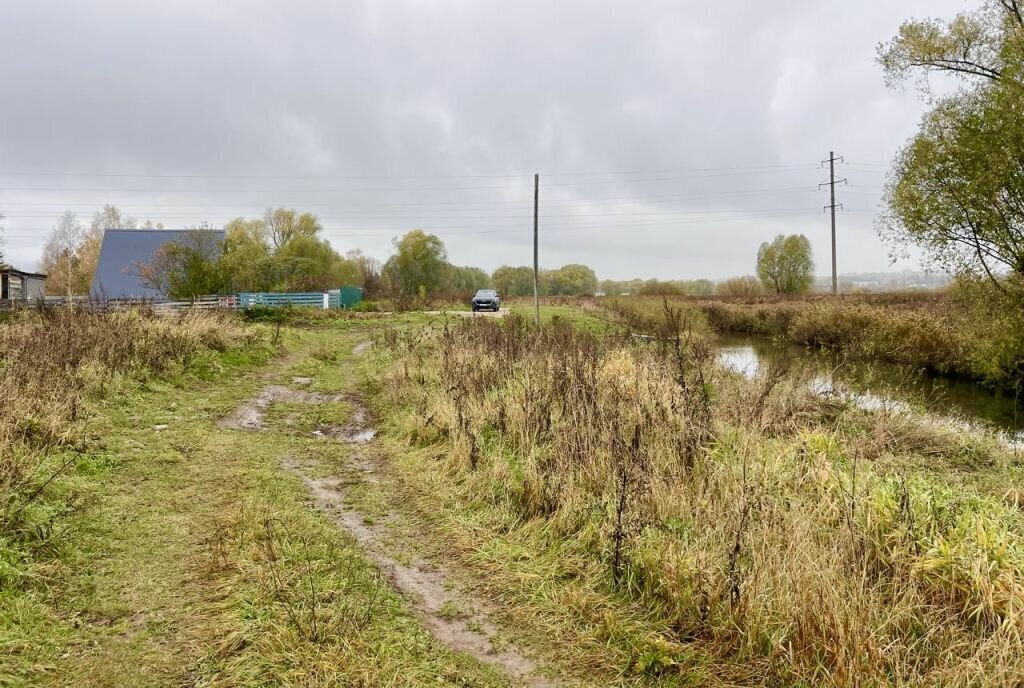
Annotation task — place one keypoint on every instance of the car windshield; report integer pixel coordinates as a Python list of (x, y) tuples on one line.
[(486, 293)]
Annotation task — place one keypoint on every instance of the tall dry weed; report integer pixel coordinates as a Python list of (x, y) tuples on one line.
[(752, 516)]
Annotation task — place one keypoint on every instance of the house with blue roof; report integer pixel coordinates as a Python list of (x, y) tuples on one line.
[(124, 251)]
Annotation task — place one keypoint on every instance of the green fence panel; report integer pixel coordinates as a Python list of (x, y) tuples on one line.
[(308, 299), (350, 296), (346, 297)]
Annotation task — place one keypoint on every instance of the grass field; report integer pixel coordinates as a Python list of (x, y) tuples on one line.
[(172, 551), (572, 506)]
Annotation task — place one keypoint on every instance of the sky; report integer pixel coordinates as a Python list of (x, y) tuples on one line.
[(671, 137)]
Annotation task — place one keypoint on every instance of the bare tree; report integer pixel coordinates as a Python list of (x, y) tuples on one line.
[(62, 254)]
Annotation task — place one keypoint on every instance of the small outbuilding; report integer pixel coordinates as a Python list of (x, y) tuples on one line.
[(18, 285)]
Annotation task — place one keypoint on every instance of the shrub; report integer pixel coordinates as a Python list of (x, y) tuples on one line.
[(740, 287)]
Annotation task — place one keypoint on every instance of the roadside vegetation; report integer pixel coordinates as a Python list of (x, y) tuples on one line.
[(687, 525), (58, 365)]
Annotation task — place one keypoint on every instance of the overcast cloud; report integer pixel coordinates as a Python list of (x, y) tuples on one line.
[(672, 136)]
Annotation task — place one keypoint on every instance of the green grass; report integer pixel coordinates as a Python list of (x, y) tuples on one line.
[(192, 555), (189, 554)]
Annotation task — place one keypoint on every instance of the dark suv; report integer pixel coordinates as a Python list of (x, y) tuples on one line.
[(486, 300)]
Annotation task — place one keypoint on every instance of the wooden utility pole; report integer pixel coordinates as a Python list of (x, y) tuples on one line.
[(536, 264), (831, 183)]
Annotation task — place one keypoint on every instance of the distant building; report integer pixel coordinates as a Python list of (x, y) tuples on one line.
[(18, 285), (124, 251)]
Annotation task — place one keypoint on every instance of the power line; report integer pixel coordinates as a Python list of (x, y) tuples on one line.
[(704, 222), (673, 178), (492, 187), (766, 168), (414, 216), (113, 190), (614, 173), (623, 200)]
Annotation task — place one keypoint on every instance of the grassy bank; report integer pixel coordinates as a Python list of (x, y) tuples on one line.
[(973, 333), (673, 524)]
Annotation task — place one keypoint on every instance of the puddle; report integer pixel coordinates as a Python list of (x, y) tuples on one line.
[(353, 436), (249, 416), (356, 431), (427, 587)]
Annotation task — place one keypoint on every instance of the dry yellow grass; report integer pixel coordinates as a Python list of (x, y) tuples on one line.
[(765, 527), (55, 361)]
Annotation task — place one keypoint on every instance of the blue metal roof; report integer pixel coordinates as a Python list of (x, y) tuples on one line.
[(123, 250)]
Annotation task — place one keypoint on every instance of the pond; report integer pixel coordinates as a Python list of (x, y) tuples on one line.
[(875, 384)]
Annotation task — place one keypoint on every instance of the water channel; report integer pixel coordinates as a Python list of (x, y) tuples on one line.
[(875, 383)]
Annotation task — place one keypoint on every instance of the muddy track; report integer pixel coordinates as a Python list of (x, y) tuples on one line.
[(455, 618), (249, 416), (452, 617)]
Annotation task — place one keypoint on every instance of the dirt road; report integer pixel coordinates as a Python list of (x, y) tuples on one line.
[(359, 497)]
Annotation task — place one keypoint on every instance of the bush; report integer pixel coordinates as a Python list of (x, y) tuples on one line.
[(740, 287), (260, 313), (366, 307)]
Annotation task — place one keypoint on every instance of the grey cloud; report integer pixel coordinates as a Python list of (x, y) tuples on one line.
[(430, 88)]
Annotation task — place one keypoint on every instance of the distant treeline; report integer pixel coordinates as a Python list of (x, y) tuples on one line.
[(285, 250)]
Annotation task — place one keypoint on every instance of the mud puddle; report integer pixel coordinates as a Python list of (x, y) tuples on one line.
[(356, 431), (249, 416), (459, 621)]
